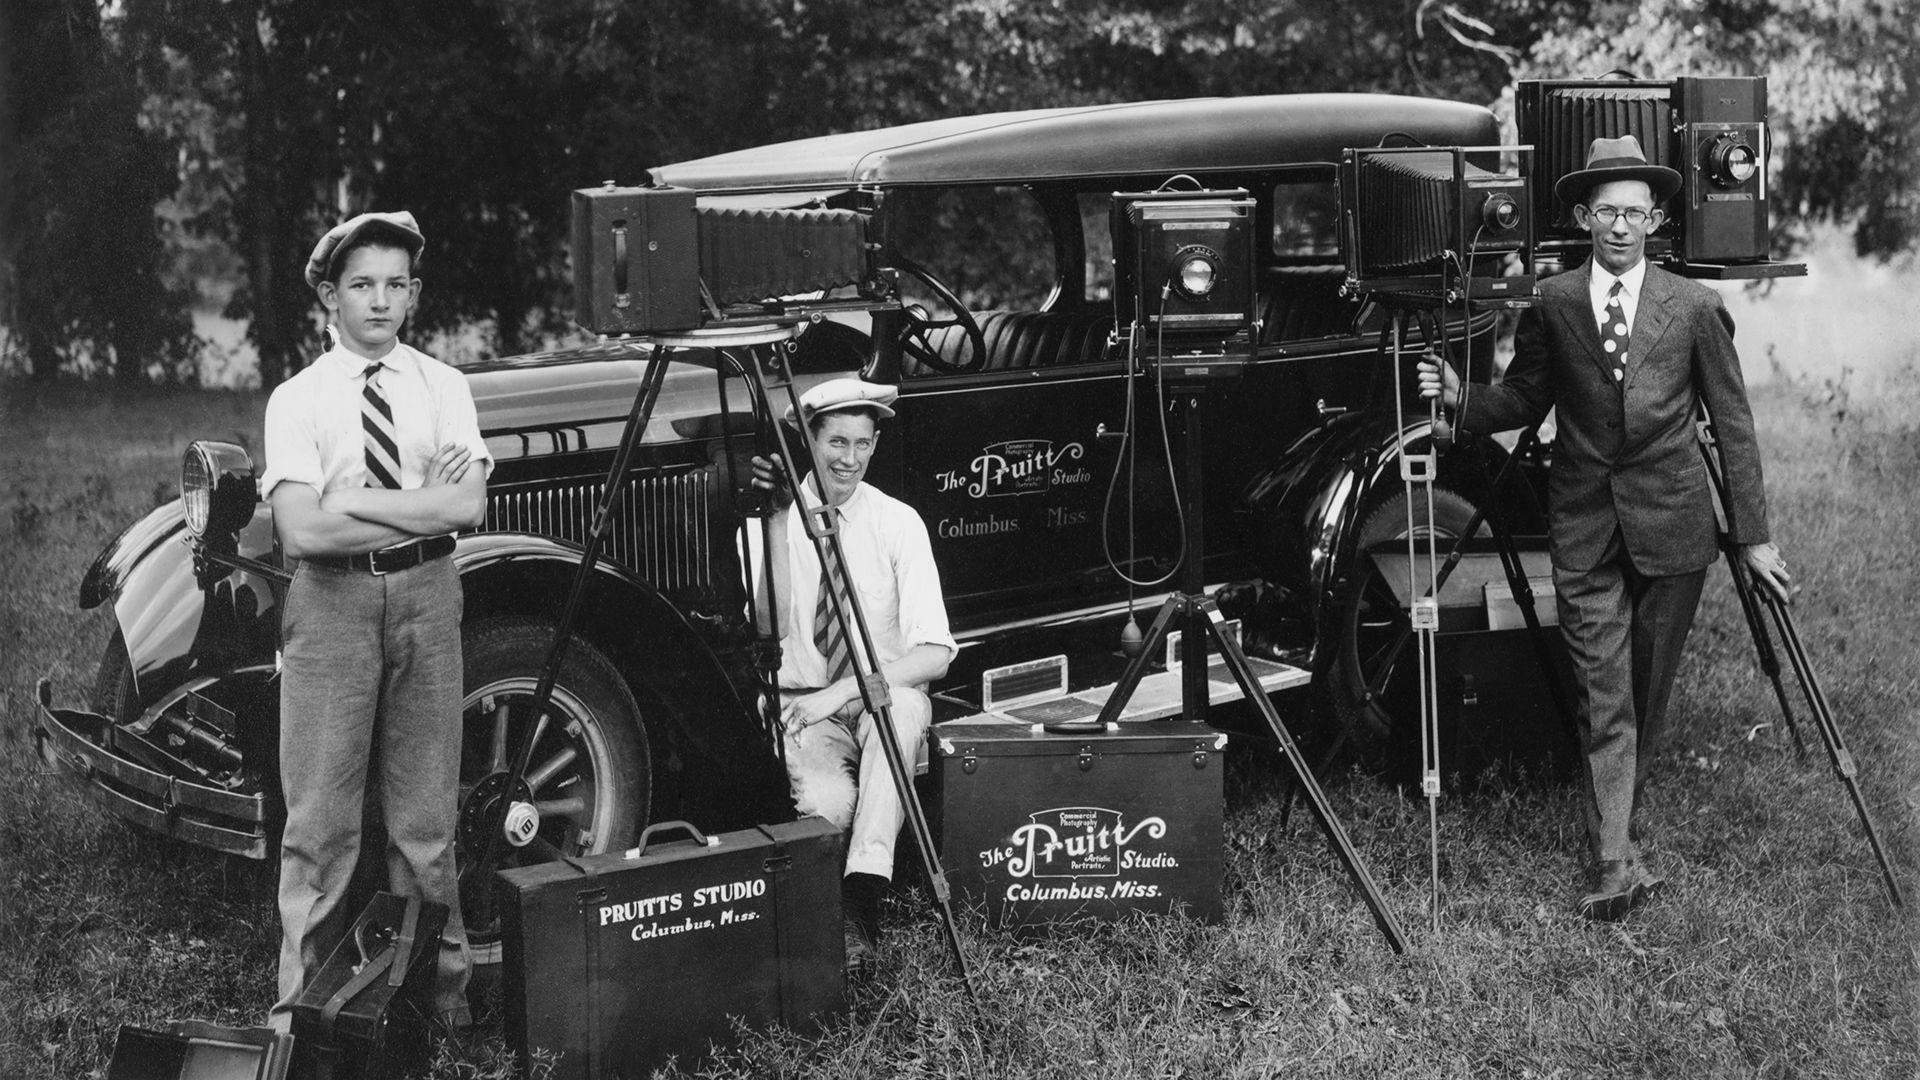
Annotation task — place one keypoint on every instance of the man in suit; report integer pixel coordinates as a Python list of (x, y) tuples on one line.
[(1622, 350)]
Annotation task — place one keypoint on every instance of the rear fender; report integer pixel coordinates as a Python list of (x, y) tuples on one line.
[(1312, 503)]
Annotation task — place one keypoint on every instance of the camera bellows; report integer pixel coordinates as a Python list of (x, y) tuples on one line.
[(1416, 206), (1572, 117), (752, 254)]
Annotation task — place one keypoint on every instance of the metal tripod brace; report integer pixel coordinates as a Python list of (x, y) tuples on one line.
[(1753, 596), (823, 531), (1416, 477)]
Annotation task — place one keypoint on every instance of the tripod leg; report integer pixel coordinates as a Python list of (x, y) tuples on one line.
[(1316, 798), (1844, 765), (875, 697), (645, 397), (1137, 667)]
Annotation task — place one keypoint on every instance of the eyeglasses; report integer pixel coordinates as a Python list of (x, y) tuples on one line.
[(1635, 216)]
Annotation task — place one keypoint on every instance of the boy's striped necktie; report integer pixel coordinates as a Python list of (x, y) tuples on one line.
[(376, 420)]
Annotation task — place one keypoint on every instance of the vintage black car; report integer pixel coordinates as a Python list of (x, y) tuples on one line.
[(1000, 342)]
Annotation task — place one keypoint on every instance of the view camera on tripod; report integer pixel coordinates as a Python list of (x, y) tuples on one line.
[(1183, 279), (1438, 221)]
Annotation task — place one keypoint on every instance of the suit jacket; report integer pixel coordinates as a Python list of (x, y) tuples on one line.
[(1626, 453)]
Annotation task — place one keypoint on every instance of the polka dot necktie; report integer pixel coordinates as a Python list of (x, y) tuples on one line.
[(376, 422), (1613, 337), (829, 636)]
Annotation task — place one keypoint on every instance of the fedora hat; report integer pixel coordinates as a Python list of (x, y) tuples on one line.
[(1609, 160), (835, 395)]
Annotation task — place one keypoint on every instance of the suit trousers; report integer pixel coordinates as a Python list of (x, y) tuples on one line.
[(370, 691), (1624, 632), (839, 772)]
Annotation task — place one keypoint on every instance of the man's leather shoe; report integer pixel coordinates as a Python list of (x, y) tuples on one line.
[(1619, 885)]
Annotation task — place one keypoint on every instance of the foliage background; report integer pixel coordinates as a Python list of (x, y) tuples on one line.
[(159, 157)]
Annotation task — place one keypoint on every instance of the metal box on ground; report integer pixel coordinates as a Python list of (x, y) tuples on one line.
[(364, 1012), (195, 1050), (1036, 827), (615, 962)]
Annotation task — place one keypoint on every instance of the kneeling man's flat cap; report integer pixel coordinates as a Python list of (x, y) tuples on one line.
[(837, 394)]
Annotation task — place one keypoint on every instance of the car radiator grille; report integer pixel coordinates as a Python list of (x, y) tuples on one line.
[(660, 529)]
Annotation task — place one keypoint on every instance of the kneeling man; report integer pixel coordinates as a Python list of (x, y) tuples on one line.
[(834, 758)]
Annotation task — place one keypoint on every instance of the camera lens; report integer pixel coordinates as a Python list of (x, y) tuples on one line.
[(1500, 212)]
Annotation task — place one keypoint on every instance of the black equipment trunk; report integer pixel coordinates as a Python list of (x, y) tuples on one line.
[(614, 962), (1036, 826)]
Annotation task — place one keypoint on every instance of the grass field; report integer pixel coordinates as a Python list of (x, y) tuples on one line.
[(1774, 952)]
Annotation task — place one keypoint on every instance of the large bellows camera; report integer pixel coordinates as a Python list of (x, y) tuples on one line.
[(1183, 277), (660, 259), (1712, 131), (1435, 220)]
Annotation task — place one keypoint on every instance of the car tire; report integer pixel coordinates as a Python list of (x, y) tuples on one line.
[(590, 773), (114, 695), (1367, 615)]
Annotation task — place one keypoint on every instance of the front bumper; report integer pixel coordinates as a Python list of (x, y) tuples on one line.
[(132, 778)]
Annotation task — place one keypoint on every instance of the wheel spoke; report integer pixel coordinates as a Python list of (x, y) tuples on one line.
[(573, 807), (497, 759), (537, 778)]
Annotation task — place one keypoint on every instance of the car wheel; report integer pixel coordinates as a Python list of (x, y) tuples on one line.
[(588, 776), (1368, 616)]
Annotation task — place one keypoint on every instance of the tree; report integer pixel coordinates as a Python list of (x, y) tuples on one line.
[(79, 179)]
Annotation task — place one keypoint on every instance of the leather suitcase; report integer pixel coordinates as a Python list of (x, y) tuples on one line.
[(1036, 827), (364, 1013), (615, 962)]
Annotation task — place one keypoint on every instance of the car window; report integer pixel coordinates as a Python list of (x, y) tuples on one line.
[(1096, 228), (1306, 216), (990, 245)]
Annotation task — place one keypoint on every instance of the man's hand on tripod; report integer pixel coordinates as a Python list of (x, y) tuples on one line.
[(1768, 567), (767, 477), (1438, 379)]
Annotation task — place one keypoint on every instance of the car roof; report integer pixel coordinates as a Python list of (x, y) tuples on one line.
[(1133, 139)]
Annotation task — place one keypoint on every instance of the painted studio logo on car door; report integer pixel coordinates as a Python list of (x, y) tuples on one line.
[(1018, 467)]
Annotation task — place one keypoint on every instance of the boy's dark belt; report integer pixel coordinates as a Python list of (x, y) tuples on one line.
[(389, 560)]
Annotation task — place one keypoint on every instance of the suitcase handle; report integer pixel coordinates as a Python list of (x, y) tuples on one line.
[(647, 835)]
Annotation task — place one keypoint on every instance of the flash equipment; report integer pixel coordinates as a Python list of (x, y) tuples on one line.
[(661, 259), (1183, 276), (1712, 131), (1422, 219)]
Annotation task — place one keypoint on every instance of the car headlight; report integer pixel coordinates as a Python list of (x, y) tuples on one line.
[(1195, 270), (218, 488)]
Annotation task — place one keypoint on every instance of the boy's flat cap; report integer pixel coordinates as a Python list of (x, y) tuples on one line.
[(400, 225)]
